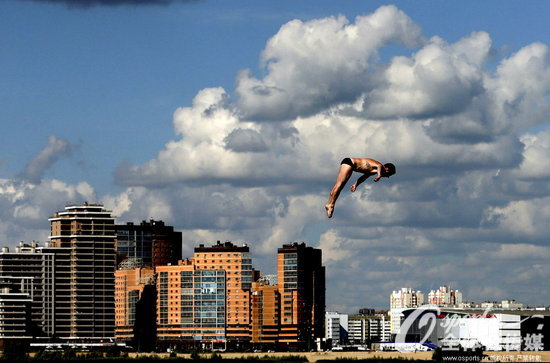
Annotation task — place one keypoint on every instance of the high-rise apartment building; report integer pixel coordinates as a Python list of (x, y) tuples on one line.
[(445, 297), (150, 243), (236, 261), (85, 236), (62, 291), (216, 297), (191, 304), (31, 268), (135, 307), (301, 280), (266, 313)]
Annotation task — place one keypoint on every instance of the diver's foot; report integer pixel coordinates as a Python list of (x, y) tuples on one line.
[(330, 209)]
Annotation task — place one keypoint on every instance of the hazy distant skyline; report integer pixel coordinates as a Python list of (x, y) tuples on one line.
[(228, 120)]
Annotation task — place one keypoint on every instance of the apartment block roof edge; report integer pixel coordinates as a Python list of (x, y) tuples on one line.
[(227, 246), (295, 246), (83, 204)]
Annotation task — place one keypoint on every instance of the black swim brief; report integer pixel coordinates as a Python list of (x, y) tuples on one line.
[(348, 161)]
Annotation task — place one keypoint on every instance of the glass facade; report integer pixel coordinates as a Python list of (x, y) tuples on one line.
[(209, 308), (246, 273), (191, 304), (163, 298), (187, 298), (133, 298), (150, 243), (136, 245), (290, 271)]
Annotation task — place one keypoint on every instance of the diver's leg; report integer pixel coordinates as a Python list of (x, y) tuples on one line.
[(343, 176)]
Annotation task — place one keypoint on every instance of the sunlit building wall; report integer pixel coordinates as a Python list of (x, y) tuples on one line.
[(265, 312), (190, 303), (236, 261), (134, 287), (85, 236)]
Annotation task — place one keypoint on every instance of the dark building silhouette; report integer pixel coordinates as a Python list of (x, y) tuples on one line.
[(145, 326), (301, 280), (150, 243), (33, 270), (15, 309)]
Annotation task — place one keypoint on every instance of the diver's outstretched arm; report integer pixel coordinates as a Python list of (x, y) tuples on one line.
[(361, 179)]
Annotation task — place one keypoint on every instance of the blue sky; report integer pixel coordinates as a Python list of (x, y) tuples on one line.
[(98, 103), (113, 75)]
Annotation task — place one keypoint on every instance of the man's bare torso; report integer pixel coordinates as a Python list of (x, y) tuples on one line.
[(365, 165)]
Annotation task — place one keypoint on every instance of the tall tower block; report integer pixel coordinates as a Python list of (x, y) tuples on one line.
[(86, 285), (301, 280)]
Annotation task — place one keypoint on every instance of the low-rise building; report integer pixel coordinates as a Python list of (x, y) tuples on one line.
[(368, 329), (336, 327)]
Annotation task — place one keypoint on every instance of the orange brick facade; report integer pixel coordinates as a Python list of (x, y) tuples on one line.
[(129, 287), (212, 298), (191, 303), (237, 263), (265, 313)]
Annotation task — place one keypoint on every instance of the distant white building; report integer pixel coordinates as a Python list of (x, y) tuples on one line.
[(380, 328), (369, 328), (336, 327), (511, 305), (358, 329), (445, 297), (493, 305), (405, 298)]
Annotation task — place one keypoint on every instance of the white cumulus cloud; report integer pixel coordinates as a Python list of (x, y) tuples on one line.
[(313, 65)]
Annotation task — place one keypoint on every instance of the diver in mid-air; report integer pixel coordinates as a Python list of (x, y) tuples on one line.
[(365, 166)]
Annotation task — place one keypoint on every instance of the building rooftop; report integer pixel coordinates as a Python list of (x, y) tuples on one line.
[(295, 246), (227, 246)]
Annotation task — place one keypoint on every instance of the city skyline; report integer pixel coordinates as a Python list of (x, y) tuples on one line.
[(228, 122), (70, 289), (137, 264)]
